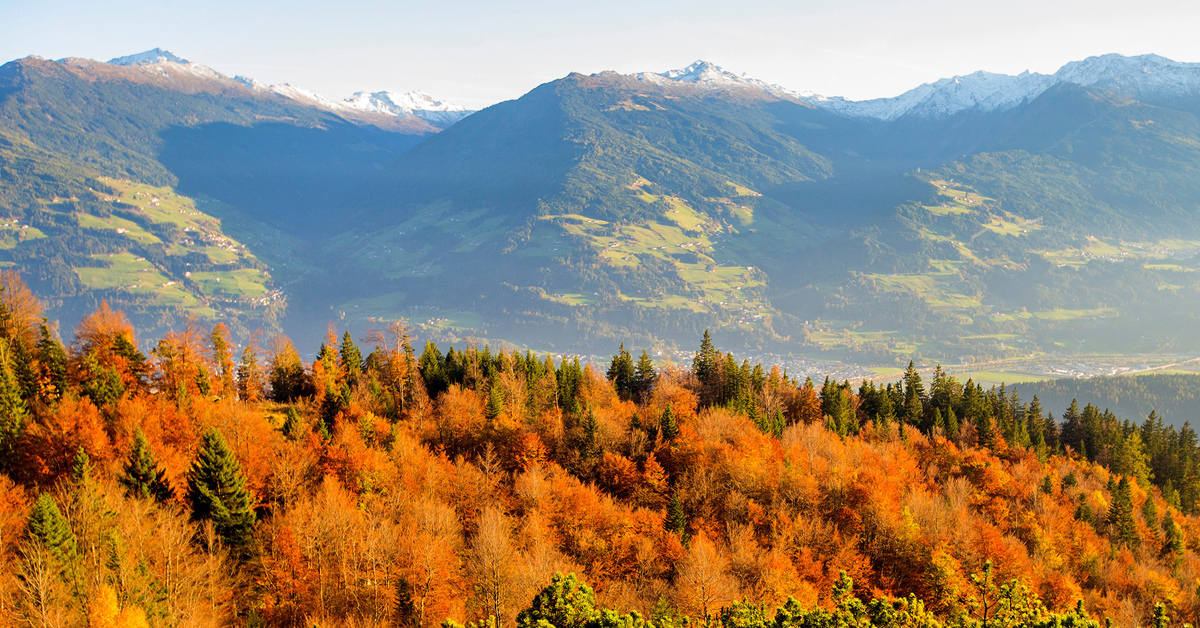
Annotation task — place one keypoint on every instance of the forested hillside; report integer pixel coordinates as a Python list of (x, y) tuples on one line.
[(183, 481), (1170, 396)]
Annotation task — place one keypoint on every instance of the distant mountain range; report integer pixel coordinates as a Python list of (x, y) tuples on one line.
[(1141, 76), (977, 217), (414, 104)]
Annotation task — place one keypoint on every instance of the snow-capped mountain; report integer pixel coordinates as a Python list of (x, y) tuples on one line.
[(985, 91), (157, 55), (415, 104), (1141, 75), (713, 76), (980, 91)]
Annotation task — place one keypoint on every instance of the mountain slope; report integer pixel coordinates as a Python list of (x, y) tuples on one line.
[(80, 140)]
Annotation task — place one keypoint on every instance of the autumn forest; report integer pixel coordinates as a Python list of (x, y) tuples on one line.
[(186, 482)]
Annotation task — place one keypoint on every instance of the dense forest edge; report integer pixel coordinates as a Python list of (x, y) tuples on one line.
[(187, 483)]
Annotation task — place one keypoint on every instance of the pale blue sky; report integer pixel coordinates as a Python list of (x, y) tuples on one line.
[(480, 52)]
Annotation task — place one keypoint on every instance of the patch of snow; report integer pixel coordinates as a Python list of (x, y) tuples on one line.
[(150, 56), (713, 76), (985, 91)]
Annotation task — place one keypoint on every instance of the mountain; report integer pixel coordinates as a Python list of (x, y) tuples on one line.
[(166, 187), (416, 104), (1005, 216), (1145, 76), (158, 55), (712, 76)]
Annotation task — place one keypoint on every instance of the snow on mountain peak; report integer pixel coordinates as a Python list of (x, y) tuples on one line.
[(158, 55), (416, 104), (713, 76), (987, 91)]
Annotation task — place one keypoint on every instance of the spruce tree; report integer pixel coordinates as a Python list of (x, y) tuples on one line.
[(644, 376), (351, 360), (141, 476), (49, 528), (591, 429), (705, 361), (1173, 535), (886, 415), (622, 373), (495, 401), (676, 521), (217, 491), (1120, 515), (951, 423), (292, 425), (669, 426)]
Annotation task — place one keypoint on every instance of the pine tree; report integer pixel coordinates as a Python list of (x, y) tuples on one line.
[(142, 477), (986, 432), (886, 413), (49, 528), (217, 491), (1173, 535), (1120, 515), (669, 426), (622, 373), (495, 401), (644, 376), (676, 521), (591, 429), (951, 423), (705, 362), (350, 358), (292, 425)]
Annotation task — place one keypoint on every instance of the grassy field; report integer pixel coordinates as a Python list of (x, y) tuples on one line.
[(995, 378), (150, 211)]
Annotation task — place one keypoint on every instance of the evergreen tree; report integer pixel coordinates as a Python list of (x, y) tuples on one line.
[(676, 521), (885, 416), (1173, 535), (292, 428), (350, 360), (141, 476), (644, 377), (622, 373), (217, 491), (590, 447), (985, 431), (705, 363), (135, 361), (49, 528), (495, 401), (1120, 515), (431, 366), (951, 423), (669, 427)]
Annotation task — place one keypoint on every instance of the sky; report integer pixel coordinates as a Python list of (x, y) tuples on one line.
[(479, 52)]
